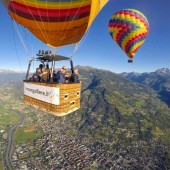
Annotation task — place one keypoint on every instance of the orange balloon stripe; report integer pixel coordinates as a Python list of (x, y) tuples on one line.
[(50, 31)]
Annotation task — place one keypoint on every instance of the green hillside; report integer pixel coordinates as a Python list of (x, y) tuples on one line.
[(118, 119), (113, 106)]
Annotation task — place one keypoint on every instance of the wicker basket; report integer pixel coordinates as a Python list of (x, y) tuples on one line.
[(69, 98)]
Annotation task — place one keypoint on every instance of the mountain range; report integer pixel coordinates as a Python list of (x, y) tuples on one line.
[(108, 99), (135, 102), (158, 80)]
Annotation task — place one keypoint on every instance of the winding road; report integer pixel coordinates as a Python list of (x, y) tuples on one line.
[(10, 137)]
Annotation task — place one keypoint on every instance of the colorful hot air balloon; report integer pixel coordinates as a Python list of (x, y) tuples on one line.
[(129, 28), (55, 22)]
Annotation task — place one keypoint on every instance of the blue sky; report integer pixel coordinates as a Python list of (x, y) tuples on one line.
[(98, 49)]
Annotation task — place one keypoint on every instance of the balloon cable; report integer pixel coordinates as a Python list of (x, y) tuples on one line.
[(79, 44), (38, 25), (17, 51), (21, 38)]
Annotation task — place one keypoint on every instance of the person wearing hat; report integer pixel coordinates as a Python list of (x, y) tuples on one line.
[(60, 76)]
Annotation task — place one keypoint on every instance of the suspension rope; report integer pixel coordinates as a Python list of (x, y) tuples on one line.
[(16, 50), (79, 44), (21, 38), (36, 21), (74, 50)]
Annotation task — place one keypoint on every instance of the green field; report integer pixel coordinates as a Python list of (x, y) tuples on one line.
[(7, 117), (1, 166), (26, 134)]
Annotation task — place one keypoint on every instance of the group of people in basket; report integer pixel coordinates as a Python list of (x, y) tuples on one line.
[(43, 74)]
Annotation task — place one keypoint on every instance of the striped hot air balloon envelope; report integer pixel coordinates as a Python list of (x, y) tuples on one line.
[(129, 29), (55, 22)]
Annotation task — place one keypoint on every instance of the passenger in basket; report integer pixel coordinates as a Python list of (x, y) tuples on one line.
[(45, 74), (37, 76), (67, 76), (54, 75), (60, 76), (41, 66), (75, 76)]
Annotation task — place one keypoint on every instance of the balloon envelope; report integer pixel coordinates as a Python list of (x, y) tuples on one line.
[(129, 28), (55, 22)]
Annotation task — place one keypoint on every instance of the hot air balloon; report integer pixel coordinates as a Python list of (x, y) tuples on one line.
[(56, 23), (129, 29)]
